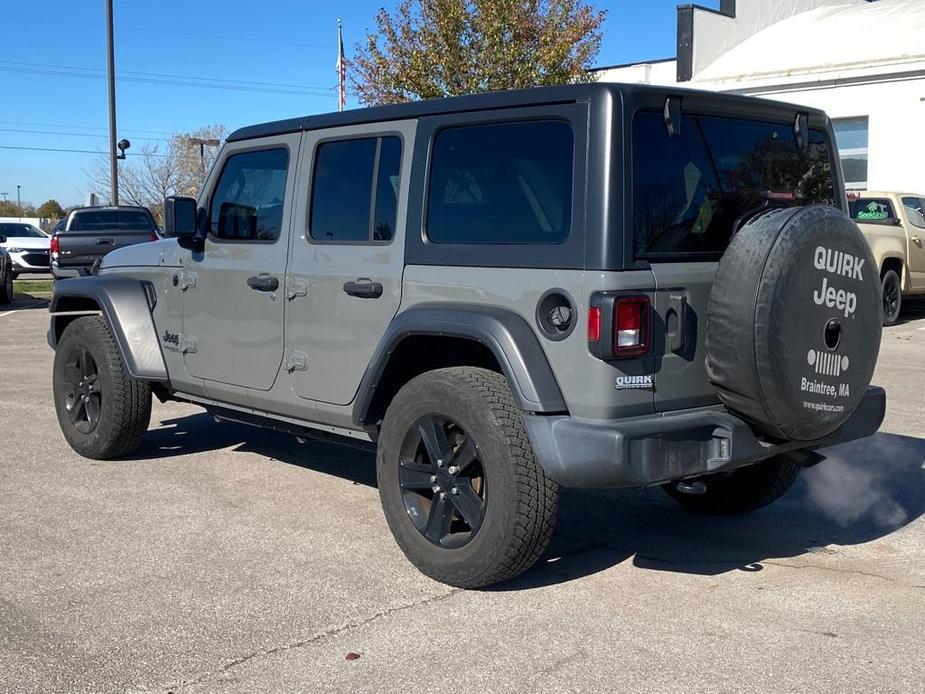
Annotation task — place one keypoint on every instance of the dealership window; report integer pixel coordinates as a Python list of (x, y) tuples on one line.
[(851, 135)]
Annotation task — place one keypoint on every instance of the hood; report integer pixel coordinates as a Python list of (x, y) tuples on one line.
[(26, 242), (149, 254)]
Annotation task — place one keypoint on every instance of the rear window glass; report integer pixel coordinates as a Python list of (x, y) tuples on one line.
[(501, 183), (689, 190), (871, 210), (105, 220)]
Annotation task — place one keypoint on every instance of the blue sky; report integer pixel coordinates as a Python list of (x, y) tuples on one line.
[(279, 60)]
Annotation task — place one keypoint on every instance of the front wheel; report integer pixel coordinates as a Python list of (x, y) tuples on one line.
[(461, 491), (740, 491), (103, 412), (6, 286), (892, 297)]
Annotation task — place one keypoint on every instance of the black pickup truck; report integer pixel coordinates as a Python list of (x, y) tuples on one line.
[(92, 232)]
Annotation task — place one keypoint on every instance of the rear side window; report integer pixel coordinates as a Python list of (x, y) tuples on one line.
[(112, 220), (915, 210), (247, 204), (689, 190), (871, 210), (355, 190), (501, 183)]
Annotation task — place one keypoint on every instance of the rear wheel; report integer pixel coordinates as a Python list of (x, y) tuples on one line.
[(733, 493), (461, 491), (103, 412), (892, 297)]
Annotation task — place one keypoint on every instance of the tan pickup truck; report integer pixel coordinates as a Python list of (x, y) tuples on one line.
[(894, 225)]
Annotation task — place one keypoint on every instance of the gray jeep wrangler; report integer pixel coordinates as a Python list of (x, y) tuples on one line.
[(589, 285)]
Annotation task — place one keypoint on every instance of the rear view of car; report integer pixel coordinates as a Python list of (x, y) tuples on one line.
[(27, 246), (92, 232)]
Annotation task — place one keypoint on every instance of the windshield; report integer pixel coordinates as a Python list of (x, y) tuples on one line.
[(100, 220), (689, 190), (19, 231)]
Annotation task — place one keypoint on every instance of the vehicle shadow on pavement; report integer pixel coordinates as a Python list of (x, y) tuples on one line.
[(24, 302), (865, 490)]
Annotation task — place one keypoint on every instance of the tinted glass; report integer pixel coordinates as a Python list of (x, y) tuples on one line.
[(247, 204), (341, 190), (345, 207), (11, 230), (111, 220), (871, 210), (689, 190), (915, 210), (386, 208), (503, 183)]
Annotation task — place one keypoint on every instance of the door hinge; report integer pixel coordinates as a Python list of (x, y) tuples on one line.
[(188, 344), (296, 360), (295, 288), (185, 280)]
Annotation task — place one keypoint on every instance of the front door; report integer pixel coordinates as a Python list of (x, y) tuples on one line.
[(233, 301), (345, 273)]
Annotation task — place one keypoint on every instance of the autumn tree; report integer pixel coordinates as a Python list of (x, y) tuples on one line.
[(435, 48), (178, 167), (50, 209), (8, 209)]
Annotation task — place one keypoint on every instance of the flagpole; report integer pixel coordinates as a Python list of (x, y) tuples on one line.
[(341, 69)]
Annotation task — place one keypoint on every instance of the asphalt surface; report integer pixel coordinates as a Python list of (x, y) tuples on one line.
[(224, 559)]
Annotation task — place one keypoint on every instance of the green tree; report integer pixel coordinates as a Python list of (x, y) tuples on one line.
[(8, 209), (434, 48), (50, 209)]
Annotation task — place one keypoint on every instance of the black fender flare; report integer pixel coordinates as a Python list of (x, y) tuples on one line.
[(126, 305), (506, 334)]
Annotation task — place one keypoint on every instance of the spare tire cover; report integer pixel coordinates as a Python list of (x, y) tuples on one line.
[(793, 324)]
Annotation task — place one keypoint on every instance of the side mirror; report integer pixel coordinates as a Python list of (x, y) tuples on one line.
[(180, 214)]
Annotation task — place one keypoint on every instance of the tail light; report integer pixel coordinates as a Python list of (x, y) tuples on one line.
[(53, 245), (619, 325)]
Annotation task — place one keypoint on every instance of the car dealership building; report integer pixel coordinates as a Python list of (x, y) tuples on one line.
[(862, 61)]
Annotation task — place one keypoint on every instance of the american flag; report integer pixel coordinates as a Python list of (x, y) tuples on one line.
[(341, 70)]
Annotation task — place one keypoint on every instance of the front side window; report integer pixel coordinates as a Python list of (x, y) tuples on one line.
[(248, 202), (501, 183), (871, 210), (690, 190), (21, 231), (915, 210), (355, 190)]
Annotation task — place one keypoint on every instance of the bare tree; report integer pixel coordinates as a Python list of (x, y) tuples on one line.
[(178, 167)]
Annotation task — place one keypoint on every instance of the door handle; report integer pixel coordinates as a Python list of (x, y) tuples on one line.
[(681, 327), (105, 242), (364, 288), (263, 283)]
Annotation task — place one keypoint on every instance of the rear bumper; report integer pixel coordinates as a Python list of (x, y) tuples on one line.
[(61, 273), (646, 450)]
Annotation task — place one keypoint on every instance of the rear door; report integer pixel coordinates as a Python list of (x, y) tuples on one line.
[(689, 191), (233, 290), (914, 207), (345, 273)]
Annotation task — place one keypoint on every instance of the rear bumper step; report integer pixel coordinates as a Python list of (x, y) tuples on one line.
[(646, 450)]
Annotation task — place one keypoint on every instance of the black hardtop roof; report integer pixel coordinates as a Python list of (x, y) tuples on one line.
[(537, 96)]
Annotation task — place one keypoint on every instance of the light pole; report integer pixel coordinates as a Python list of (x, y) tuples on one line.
[(4, 196), (18, 202), (113, 163)]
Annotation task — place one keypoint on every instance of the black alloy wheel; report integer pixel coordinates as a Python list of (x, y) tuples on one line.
[(892, 297), (83, 393), (443, 481)]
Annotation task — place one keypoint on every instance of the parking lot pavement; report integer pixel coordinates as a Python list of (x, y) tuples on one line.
[(224, 559)]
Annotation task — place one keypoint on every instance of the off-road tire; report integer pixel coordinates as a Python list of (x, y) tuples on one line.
[(741, 491), (520, 501), (892, 292), (6, 286), (124, 402)]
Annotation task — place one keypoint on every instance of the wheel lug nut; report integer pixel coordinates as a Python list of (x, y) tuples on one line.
[(433, 478), (439, 463), (455, 490), (453, 469), (442, 495)]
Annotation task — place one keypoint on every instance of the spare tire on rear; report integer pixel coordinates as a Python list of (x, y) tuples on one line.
[(793, 324)]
